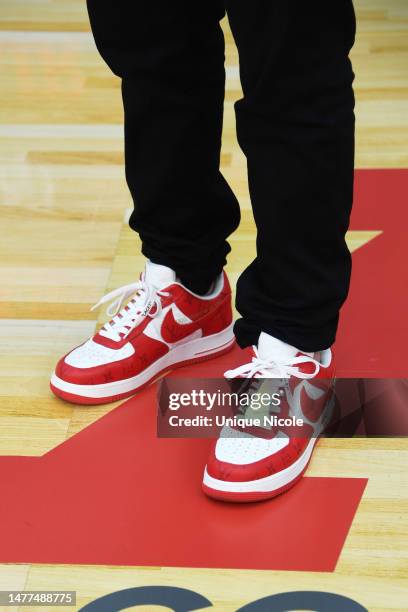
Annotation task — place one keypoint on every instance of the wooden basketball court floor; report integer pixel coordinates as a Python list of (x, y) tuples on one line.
[(65, 242)]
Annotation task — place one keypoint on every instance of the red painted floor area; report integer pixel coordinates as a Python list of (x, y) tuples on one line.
[(115, 494), (373, 334)]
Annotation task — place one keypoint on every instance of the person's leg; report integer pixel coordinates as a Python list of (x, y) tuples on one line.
[(295, 124), (170, 56)]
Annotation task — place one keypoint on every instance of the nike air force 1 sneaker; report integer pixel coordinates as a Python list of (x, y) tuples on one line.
[(260, 463), (163, 326)]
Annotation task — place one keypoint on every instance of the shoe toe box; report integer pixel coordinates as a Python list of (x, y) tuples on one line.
[(244, 457), (92, 363)]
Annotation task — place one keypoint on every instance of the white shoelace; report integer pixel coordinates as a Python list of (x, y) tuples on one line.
[(273, 368), (141, 305)]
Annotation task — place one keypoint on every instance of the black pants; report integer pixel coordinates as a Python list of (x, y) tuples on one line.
[(295, 124)]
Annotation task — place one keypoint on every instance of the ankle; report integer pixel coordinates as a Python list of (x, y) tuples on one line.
[(198, 287)]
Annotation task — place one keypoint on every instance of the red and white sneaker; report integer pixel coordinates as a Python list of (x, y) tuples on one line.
[(245, 466), (163, 326)]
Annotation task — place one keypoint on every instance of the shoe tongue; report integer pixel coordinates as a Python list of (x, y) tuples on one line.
[(158, 276), (271, 348)]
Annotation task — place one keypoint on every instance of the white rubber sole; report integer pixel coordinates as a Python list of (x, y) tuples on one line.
[(269, 484), (198, 349)]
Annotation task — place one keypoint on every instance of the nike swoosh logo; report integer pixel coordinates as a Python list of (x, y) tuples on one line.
[(308, 398), (172, 327)]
